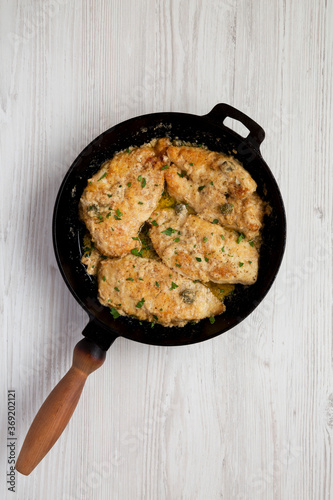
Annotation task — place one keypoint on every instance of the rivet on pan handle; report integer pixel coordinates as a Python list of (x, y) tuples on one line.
[(59, 406), (221, 111)]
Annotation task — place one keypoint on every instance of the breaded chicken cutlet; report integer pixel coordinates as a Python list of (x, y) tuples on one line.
[(146, 288), (216, 186), (201, 250), (120, 197)]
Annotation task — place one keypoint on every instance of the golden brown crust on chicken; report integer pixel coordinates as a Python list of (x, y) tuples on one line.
[(120, 197), (201, 250), (204, 166), (161, 146), (203, 180), (147, 289)]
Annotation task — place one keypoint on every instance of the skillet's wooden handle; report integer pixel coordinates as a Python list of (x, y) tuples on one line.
[(58, 408)]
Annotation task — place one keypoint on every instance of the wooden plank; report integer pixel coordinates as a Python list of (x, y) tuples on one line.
[(247, 415)]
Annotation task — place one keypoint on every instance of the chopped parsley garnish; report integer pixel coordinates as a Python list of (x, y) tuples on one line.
[(169, 231), (140, 203), (117, 289), (143, 183), (211, 183), (250, 261), (165, 166), (104, 278), (140, 279), (87, 250), (114, 313), (198, 259), (110, 195), (135, 238), (182, 174), (200, 188), (206, 259), (223, 238), (240, 237), (173, 286), (104, 175), (136, 252), (251, 243), (212, 320), (157, 283), (221, 290), (91, 207), (191, 164), (129, 184), (205, 239), (108, 215), (176, 240), (127, 150), (178, 265), (154, 223), (139, 178), (155, 317), (222, 249), (215, 221), (129, 279), (140, 303), (241, 264)]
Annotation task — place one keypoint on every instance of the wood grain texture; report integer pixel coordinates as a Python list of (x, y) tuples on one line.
[(245, 416)]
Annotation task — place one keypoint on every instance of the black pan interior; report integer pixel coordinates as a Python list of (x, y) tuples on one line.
[(68, 231)]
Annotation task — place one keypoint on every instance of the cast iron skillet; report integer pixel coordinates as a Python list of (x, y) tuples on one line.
[(68, 232)]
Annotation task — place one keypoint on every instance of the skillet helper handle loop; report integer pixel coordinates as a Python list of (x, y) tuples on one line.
[(222, 111), (59, 406)]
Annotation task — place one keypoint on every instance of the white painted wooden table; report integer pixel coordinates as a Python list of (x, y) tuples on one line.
[(247, 415)]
